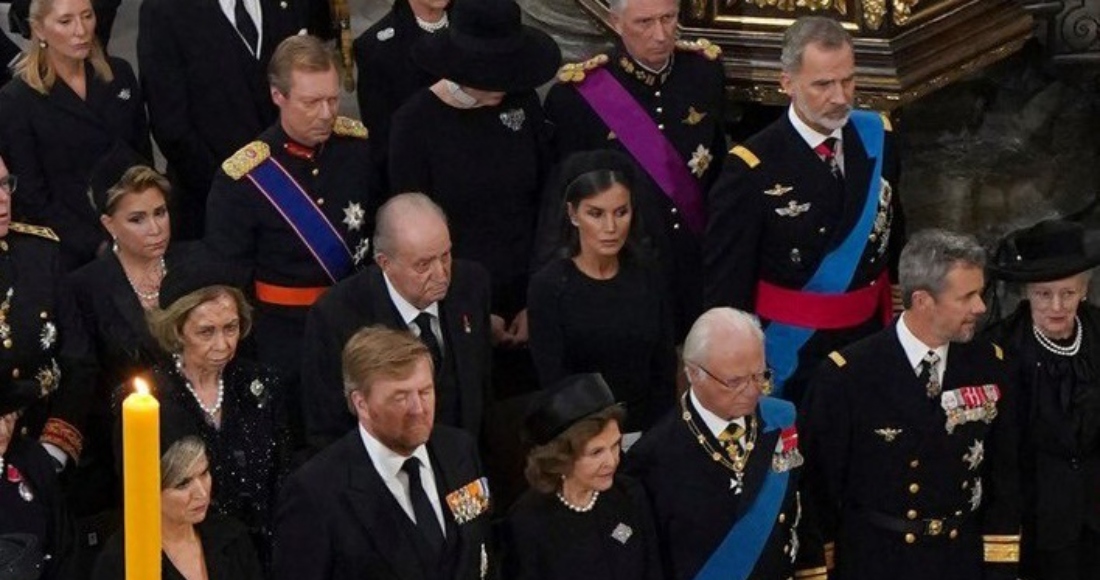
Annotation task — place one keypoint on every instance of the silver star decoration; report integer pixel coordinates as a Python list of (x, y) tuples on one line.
[(353, 216), (974, 458), (735, 485), (48, 336), (976, 495), (700, 161), (361, 251)]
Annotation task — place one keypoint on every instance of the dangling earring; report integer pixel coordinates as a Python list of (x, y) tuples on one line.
[(114, 244)]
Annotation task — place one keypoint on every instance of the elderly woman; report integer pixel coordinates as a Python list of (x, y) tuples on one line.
[(475, 142), (579, 519), (195, 544), (67, 106), (235, 405), (1054, 338), (602, 308)]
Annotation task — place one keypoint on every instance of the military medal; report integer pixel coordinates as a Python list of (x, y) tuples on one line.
[(362, 249), (975, 455), (787, 456), (793, 209), (888, 434), (48, 377), (48, 336), (622, 533), (14, 476), (513, 119), (700, 161), (967, 404), (353, 216), (470, 501), (693, 117), (779, 190), (5, 328), (740, 459), (976, 494)]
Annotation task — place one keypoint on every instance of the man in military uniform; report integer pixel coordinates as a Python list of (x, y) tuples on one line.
[(659, 100), (297, 205), (911, 435), (804, 225), (415, 286), (723, 470)]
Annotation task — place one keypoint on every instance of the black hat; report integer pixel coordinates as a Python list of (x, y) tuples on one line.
[(487, 47), (18, 394), (1049, 250), (20, 557), (108, 171), (583, 162), (568, 401), (199, 271)]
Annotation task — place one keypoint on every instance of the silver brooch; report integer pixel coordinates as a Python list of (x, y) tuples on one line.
[(48, 336), (124, 94), (25, 492), (622, 533), (513, 119), (385, 34), (256, 388)]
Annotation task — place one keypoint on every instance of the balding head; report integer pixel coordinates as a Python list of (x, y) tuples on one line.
[(412, 245), (723, 358)]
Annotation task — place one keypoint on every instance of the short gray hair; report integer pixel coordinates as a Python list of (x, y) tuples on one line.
[(400, 204), (809, 30), (930, 255), (616, 5), (738, 322), (179, 459)]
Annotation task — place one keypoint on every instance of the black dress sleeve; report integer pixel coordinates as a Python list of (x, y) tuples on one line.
[(547, 341)]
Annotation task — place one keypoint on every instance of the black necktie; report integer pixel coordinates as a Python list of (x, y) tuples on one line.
[(423, 321), (426, 521), (245, 26), (827, 151), (929, 374)]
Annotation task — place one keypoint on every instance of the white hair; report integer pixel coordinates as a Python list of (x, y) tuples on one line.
[(735, 322)]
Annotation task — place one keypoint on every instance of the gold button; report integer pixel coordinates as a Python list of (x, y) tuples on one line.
[(15, 373), (659, 110), (7, 343), (911, 514), (954, 534), (657, 93), (675, 226), (914, 488), (661, 126), (786, 548), (43, 315), (315, 171), (966, 484), (320, 201), (910, 538), (914, 463), (3, 245), (782, 518)]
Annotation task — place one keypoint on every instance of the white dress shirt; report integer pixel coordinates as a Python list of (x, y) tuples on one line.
[(255, 11), (714, 423), (388, 464), (409, 313), (915, 349), (813, 138)]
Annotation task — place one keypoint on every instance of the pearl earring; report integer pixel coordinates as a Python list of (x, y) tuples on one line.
[(42, 44)]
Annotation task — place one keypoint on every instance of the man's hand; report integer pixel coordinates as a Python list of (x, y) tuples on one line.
[(518, 329)]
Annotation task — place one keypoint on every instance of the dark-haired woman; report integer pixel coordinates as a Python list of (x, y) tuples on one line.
[(580, 519), (68, 105), (602, 308)]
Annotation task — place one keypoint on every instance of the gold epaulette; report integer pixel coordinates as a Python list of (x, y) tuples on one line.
[(998, 351), (1001, 549), (574, 72), (246, 159), (821, 573), (32, 230), (747, 156), (886, 124), (348, 127), (704, 47), (838, 359)]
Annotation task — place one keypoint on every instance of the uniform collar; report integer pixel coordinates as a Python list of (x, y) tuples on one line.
[(641, 72), (715, 424), (295, 149), (915, 349), (809, 135)]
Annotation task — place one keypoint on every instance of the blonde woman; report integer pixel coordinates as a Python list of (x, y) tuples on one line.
[(68, 104)]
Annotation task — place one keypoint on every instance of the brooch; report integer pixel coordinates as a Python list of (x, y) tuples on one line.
[(513, 119), (888, 434), (622, 533)]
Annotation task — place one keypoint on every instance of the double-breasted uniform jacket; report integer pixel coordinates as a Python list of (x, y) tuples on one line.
[(208, 94), (1059, 407), (387, 75), (243, 226), (42, 339), (337, 520), (685, 101), (31, 501), (363, 300), (776, 212), (695, 503), (898, 495), (52, 141)]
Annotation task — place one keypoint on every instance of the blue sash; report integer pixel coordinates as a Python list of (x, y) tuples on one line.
[(736, 556), (304, 217), (834, 274)]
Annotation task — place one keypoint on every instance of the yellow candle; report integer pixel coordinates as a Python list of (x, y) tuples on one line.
[(141, 483)]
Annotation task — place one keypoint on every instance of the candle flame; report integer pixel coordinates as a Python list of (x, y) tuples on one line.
[(140, 386)]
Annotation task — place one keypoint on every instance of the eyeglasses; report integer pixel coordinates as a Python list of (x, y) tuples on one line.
[(8, 183), (763, 380), (1046, 298)]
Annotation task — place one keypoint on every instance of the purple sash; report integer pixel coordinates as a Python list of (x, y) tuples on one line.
[(637, 132)]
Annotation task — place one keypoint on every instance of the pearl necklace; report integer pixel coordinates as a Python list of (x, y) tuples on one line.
[(431, 27), (152, 295), (212, 412), (579, 508), (1050, 345)]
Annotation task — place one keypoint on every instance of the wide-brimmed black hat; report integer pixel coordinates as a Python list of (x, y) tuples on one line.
[(1049, 250), (487, 47), (568, 401), (20, 557), (200, 270), (108, 171), (18, 394)]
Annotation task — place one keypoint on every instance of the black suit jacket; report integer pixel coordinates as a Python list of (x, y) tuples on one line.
[(207, 94), (53, 141), (363, 300), (337, 519), (694, 505), (875, 442), (749, 240)]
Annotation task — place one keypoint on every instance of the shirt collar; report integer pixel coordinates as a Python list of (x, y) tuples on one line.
[(809, 135), (714, 423), (407, 311), (914, 348), (387, 462)]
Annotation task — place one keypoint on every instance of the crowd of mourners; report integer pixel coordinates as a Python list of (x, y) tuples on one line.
[(421, 345)]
